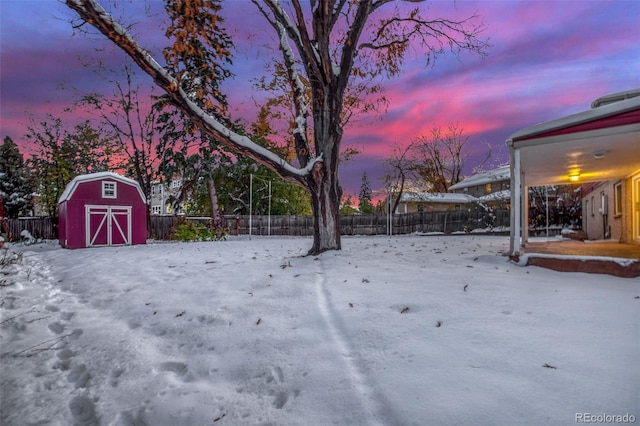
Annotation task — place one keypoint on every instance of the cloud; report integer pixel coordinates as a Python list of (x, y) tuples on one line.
[(547, 59)]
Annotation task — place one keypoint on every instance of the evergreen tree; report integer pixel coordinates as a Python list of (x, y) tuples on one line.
[(15, 187), (365, 195), (347, 206)]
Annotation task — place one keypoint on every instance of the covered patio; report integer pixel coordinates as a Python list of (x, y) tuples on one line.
[(601, 144)]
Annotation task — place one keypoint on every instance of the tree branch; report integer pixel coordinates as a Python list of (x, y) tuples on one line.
[(94, 14), (301, 108)]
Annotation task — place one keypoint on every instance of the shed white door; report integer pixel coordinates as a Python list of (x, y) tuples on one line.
[(108, 225)]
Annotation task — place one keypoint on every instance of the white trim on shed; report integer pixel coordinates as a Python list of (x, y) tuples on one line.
[(73, 185)]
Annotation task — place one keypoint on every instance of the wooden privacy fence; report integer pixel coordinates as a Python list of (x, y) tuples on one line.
[(162, 227), (42, 228), (447, 222)]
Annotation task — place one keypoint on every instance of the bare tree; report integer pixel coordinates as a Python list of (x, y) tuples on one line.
[(399, 167), (440, 156), (131, 123), (322, 41)]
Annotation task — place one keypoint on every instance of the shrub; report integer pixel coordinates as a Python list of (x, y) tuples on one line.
[(192, 231)]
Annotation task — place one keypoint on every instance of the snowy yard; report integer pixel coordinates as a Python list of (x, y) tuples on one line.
[(408, 330)]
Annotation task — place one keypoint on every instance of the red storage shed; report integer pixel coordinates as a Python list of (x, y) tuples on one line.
[(102, 209)]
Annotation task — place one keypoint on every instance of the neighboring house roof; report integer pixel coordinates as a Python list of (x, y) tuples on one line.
[(615, 97), (495, 175), (504, 195), (436, 197), (71, 187)]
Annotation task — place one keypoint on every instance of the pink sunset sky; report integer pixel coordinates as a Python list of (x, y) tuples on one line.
[(548, 59)]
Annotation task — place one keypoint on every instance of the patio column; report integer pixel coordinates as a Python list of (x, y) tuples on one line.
[(525, 210), (516, 202)]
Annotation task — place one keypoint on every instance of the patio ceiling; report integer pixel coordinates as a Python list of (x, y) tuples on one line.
[(600, 144)]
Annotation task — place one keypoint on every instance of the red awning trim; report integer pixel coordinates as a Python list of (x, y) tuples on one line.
[(630, 117)]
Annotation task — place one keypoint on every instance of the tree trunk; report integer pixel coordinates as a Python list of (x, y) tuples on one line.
[(325, 202), (213, 197), (323, 181), (397, 200)]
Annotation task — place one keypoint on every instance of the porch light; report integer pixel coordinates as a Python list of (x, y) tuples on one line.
[(574, 175)]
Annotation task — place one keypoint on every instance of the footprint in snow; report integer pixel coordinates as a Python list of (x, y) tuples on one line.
[(280, 399), (75, 334), (56, 327), (64, 359), (79, 375), (65, 353), (127, 419), (180, 369), (277, 373), (83, 411), (176, 367), (114, 376)]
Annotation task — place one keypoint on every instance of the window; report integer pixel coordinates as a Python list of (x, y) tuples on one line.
[(109, 190), (153, 190), (176, 183), (487, 188), (617, 199), (155, 209), (593, 206)]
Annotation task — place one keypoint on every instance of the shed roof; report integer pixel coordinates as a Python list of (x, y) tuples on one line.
[(71, 187)]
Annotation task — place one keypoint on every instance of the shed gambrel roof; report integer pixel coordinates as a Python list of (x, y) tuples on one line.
[(71, 187)]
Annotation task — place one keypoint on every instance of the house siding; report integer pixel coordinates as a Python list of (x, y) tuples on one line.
[(615, 227)]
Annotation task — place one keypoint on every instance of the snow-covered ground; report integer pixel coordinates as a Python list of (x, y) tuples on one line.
[(407, 330)]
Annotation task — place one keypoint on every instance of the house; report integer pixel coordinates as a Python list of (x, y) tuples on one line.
[(484, 183), (163, 196), (102, 209), (411, 202), (601, 144)]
